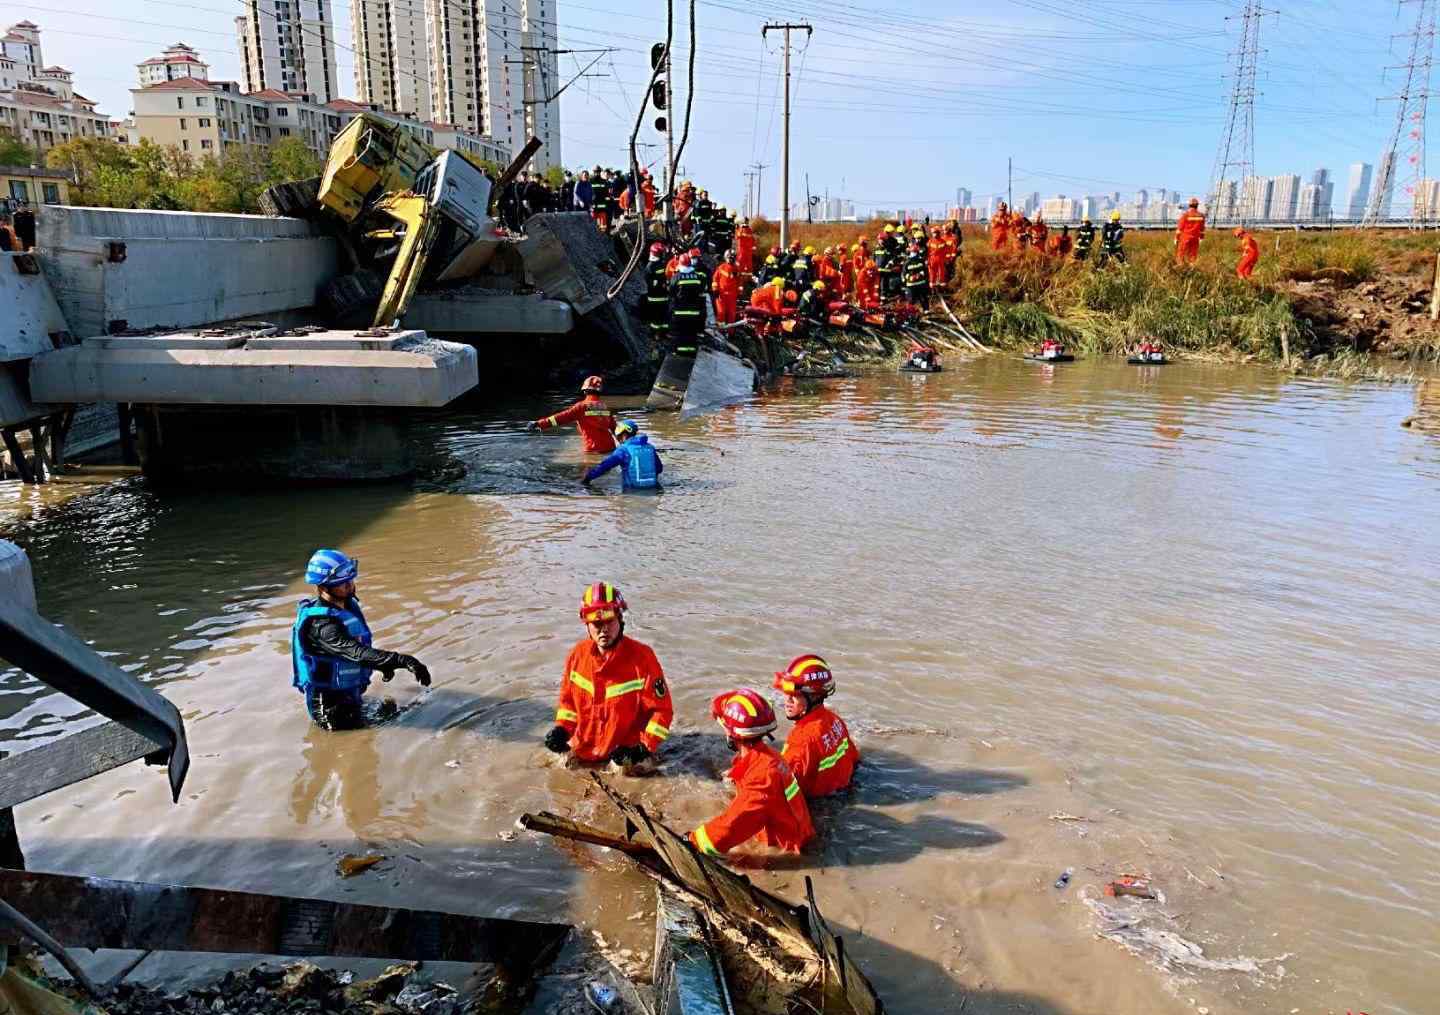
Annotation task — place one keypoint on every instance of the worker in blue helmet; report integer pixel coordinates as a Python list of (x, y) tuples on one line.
[(641, 463), (330, 645)]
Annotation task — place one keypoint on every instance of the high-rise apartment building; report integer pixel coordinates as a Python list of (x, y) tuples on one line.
[(289, 46), (38, 104), (392, 55), (495, 70), (1384, 189), (1357, 194), (1255, 193), (1284, 197), (1427, 201), (963, 197)]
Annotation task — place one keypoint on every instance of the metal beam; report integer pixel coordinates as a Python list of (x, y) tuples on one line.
[(64, 662), (92, 913), (68, 760)]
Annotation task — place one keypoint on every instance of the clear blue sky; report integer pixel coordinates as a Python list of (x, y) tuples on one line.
[(900, 103)]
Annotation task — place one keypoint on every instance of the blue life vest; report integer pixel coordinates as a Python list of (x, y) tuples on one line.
[(328, 673), (641, 470)]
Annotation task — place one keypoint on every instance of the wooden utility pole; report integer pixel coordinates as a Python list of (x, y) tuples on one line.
[(787, 28)]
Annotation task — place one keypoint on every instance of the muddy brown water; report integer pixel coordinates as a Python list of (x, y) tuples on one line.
[(1192, 605)]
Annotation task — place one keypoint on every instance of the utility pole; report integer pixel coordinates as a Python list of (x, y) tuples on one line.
[(1412, 99), (759, 185), (1010, 184), (749, 191), (787, 28), (1237, 145)]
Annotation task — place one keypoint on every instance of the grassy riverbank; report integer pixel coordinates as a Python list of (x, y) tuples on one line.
[(1344, 296)]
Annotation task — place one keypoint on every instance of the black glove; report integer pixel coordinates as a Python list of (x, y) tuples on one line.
[(532, 427), (629, 755), (415, 666), (558, 740)]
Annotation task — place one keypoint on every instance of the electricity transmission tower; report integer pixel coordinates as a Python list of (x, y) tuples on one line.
[(1409, 133), (1235, 158)]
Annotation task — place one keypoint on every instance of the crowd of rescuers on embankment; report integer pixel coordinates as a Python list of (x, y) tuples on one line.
[(906, 261), (614, 708)]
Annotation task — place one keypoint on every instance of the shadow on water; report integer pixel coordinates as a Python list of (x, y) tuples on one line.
[(513, 720)]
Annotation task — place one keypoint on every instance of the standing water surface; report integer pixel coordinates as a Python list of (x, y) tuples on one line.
[(1191, 605)]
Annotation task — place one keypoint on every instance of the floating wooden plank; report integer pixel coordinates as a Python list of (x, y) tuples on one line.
[(99, 913), (67, 664), (687, 974), (845, 987), (68, 760)]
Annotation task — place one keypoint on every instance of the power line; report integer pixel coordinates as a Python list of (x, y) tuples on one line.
[(1237, 143), (1411, 100)]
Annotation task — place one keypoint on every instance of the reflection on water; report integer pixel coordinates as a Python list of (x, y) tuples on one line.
[(1190, 606)]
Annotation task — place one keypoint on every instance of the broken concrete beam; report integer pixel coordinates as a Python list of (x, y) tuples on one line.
[(319, 369), (717, 379), (475, 311), (113, 269), (687, 974), (30, 319), (567, 258)]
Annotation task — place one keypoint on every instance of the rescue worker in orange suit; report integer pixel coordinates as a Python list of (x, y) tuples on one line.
[(1000, 227), (647, 188), (614, 705), (935, 263), (1189, 231), (867, 285), (1061, 244), (769, 805), (592, 418), (769, 297), (745, 247), (819, 749), (1040, 234), (1249, 253), (726, 289), (1020, 229)]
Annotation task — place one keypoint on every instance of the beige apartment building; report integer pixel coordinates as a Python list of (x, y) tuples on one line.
[(38, 104), (206, 117)]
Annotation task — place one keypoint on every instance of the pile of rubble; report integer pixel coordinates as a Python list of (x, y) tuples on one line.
[(303, 988)]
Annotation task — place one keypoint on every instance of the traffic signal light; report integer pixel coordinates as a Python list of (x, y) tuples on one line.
[(658, 96)]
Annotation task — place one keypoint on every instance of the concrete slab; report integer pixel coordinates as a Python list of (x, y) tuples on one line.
[(178, 269), (358, 340), (476, 311), (562, 253), (718, 379), (418, 372), (17, 582), (29, 314)]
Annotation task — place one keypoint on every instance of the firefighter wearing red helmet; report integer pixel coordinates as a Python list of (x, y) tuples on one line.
[(592, 418), (769, 805), (614, 705), (819, 749)]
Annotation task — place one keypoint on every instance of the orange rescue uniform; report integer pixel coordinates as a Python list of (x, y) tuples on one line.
[(820, 752), (648, 189), (1000, 231), (726, 287), (1249, 256), (767, 297), (769, 806), (613, 699), (867, 285), (592, 418), (1189, 231), (935, 263), (745, 249), (1039, 236)]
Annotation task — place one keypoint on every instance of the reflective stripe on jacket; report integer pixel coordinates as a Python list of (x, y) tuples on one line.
[(613, 699), (592, 418), (820, 752), (327, 672), (769, 806)]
